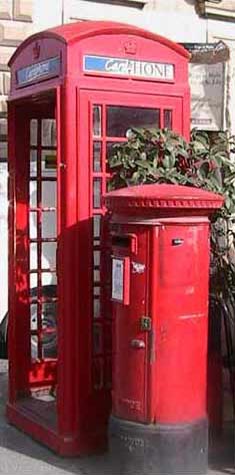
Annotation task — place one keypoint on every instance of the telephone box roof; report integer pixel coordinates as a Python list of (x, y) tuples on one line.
[(74, 32)]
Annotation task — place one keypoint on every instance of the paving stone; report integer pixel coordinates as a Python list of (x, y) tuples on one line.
[(21, 455)]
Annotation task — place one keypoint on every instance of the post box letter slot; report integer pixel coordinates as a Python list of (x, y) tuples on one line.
[(125, 241)]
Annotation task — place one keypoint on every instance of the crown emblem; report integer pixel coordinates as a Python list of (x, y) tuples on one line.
[(130, 47)]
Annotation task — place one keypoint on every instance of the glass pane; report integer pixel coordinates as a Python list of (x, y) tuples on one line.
[(96, 308), (33, 132), (49, 224), (110, 150), (34, 347), (96, 275), (98, 373), (33, 317), (97, 192), (49, 163), (48, 133), (49, 278), (49, 194), (3, 129), (120, 119), (167, 119), (33, 225), (3, 151), (96, 291), (33, 257), (96, 258), (32, 194), (108, 372), (108, 338), (96, 226), (33, 281), (97, 121), (49, 323), (97, 339), (33, 162), (48, 258), (97, 156)]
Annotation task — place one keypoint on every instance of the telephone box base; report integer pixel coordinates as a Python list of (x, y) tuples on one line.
[(158, 449), (65, 446)]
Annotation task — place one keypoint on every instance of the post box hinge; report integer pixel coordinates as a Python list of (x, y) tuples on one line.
[(145, 323)]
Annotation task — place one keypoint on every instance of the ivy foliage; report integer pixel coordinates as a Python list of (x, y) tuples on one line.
[(163, 156)]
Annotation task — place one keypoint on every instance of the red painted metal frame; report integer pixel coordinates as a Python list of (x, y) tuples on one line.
[(81, 409)]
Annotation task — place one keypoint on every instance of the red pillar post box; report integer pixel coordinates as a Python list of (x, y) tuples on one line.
[(160, 264)]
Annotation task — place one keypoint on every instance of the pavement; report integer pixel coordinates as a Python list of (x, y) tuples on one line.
[(21, 455)]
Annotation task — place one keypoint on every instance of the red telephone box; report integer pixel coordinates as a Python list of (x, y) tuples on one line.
[(160, 264), (75, 91)]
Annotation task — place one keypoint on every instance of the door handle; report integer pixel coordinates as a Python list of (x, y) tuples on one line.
[(139, 344)]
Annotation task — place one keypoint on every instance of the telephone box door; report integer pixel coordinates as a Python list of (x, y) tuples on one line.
[(106, 117)]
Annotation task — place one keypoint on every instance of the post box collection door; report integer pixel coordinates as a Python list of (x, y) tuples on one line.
[(131, 340)]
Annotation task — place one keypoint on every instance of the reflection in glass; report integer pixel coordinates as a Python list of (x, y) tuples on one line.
[(33, 281), (108, 373), (97, 192), (32, 194), (48, 132), (34, 347), (33, 132), (33, 256), (96, 308), (33, 163), (97, 156), (97, 339), (48, 258), (120, 119), (96, 225), (49, 194), (96, 121), (48, 224), (49, 325), (96, 275), (98, 373), (33, 225), (49, 163), (168, 119), (96, 258), (49, 278), (33, 317), (96, 291)]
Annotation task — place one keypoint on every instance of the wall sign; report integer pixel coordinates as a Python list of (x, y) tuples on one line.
[(39, 71), (128, 67), (207, 95)]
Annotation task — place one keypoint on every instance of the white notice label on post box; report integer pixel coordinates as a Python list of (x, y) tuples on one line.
[(117, 279)]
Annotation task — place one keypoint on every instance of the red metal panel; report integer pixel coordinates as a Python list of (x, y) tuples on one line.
[(19, 260), (131, 343), (181, 315)]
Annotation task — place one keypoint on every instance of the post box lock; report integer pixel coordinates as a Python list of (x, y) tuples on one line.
[(145, 324)]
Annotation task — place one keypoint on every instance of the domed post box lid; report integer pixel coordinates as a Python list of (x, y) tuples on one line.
[(160, 199)]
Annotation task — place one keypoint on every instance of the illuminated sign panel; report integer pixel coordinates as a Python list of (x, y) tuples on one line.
[(128, 67), (38, 72)]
